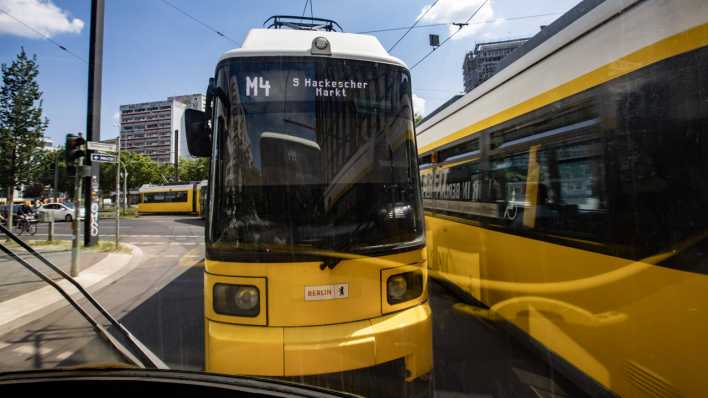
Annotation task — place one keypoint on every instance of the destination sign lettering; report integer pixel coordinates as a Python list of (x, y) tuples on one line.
[(329, 88)]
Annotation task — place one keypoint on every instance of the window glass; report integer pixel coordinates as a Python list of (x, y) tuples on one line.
[(313, 154), (165, 197)]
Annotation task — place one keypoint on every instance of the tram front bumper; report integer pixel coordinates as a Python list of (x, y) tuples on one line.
[(298, 351)]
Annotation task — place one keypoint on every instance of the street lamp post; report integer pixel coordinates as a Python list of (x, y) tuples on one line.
[(117, 202)]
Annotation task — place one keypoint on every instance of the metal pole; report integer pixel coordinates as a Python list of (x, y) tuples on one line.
[(117, 202), (93, 120), (56, 178), (74, 271), (125, 189), (176, 156), (50, 228)]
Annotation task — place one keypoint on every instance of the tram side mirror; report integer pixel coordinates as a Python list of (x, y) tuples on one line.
[(198, 133)]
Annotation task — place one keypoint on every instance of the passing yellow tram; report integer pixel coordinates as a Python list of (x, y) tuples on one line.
[(315, 243), (201, 191), (567, 195), (172, 199)]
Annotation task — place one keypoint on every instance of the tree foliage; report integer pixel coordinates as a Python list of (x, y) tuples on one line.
[(47, 162), (141, 170), (21, 123), (193, 169)]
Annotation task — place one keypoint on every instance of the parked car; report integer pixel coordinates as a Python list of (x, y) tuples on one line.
[(60, 211)]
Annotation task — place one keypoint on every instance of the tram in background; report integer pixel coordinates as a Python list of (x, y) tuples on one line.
[(573, 204), (315, 243), (202, 189), (174, 198)]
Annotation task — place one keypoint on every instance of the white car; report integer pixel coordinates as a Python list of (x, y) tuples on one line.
[(60, 211)]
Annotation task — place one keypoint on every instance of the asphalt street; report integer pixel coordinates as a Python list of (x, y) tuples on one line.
[(161, 302)]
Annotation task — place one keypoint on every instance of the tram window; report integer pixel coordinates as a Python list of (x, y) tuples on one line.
[(459, 149), (165, 197), (557, 189), (452, 189), (300, 161), (576, 110), (427, 159)]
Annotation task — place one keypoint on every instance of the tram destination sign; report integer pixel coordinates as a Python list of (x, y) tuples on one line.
[(100, 146), (100, 157)]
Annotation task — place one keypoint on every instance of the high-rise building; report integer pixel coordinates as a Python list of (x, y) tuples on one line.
[(149, 127), (483, 62)]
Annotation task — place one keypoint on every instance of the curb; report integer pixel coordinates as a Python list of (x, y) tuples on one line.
[(28, 307)]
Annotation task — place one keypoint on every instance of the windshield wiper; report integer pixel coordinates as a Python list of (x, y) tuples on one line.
[(148, 356)]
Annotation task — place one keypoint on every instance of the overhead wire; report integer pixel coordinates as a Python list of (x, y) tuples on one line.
[(204, 24), (450, 23), (449, 37), (304, 9), (413, 26), (46, 37)]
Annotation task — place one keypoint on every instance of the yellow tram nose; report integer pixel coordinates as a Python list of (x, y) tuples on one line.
[(296, 351)]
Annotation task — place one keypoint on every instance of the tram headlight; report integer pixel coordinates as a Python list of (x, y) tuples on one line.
[(239, 300), (321, 43), (321, 46), (404, 287)]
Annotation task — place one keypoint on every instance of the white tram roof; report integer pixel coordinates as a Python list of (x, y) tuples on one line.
[(291, 42), (165, 188)]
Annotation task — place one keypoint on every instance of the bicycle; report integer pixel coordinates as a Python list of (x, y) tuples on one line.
[(25, 224)]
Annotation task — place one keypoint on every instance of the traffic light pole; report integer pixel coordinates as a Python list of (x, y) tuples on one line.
[(117, 201), (93, 121), (74, 271)]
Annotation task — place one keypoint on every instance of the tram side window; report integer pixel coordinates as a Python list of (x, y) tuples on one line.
[(459, 149), (661, 149), (165, 197), (453, 189), (555, 188)]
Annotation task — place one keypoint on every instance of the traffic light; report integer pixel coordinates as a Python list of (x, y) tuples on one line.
[(72, 148)]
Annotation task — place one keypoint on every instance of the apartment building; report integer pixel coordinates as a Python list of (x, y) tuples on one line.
[(156, 129), (483, 62)]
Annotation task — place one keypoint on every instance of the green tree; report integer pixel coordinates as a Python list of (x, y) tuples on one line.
[(193, 169), (48, 162), (141, 170), (21, 123), (417, 118)]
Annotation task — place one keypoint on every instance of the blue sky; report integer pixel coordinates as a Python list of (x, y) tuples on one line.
[(151, 51)]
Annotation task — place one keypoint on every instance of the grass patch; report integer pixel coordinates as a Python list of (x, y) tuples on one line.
[(45, 245), (108, 247), (109, 213), (65, 245)]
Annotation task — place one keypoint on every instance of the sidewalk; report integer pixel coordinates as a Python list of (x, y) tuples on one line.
[(16, 280), (25, 298)]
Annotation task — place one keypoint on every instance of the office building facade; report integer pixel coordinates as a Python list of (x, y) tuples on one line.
[(156, 129), (483, 62)]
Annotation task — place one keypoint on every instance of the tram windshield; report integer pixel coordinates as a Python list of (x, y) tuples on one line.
[(312, 155)]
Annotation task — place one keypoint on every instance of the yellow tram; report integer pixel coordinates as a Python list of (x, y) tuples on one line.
[(315, 244), (172, 198), (572, 204)]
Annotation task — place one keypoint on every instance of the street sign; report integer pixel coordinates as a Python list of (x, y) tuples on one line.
[(103, 157), (100, 146)]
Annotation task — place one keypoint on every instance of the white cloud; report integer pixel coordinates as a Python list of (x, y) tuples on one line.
[(458, 11), (418, 105), (41, 15)]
